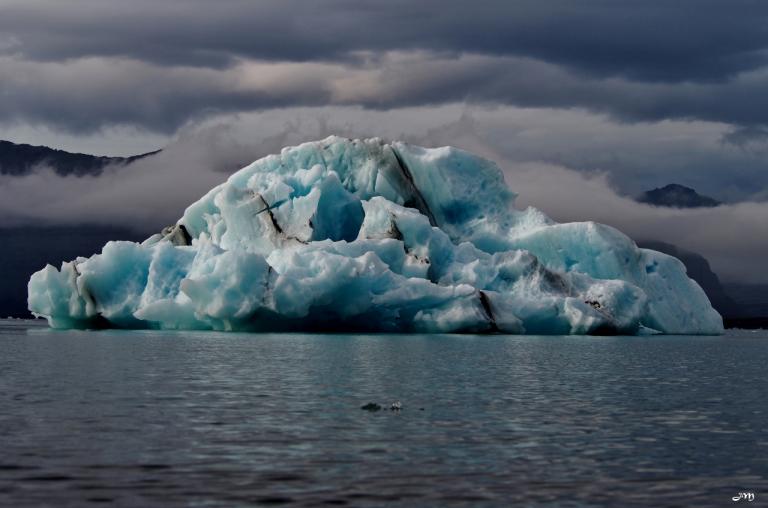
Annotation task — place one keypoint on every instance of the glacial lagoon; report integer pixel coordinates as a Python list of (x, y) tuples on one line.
[(148, 418)]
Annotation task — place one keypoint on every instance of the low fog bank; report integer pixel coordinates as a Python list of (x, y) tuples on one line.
[(153, 192)]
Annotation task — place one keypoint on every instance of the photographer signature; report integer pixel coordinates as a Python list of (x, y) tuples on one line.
[(744, 496)]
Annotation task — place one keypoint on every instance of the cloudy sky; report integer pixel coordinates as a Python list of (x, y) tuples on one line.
[(581, 103)]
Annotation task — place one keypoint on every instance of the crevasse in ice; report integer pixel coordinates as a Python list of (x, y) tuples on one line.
[(344, 234)]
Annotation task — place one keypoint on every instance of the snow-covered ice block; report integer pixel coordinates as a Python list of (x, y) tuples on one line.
[(344, 234)]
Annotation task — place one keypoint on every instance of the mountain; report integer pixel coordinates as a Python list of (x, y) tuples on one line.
[(20, 159), (753, 297), (677, 196)]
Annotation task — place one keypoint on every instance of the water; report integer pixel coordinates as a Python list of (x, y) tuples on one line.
[(209, 419)]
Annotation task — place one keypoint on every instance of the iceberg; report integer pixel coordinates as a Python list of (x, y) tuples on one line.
[(364, 235)]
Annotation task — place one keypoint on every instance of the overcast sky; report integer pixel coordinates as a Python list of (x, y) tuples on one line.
[(630, 94)]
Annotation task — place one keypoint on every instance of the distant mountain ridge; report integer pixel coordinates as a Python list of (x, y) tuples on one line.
[(677, 196), (21, 159)]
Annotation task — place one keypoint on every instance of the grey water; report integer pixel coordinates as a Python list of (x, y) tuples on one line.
[(128, 418)]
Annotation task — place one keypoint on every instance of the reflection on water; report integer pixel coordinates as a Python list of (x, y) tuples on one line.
[(183, 418)]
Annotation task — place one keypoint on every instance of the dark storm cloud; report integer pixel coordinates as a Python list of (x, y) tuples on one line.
[(658, 40), (745, 137), (90, 93), (82, 65)]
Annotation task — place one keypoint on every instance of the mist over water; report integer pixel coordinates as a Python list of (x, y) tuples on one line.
[(153, 192), (165, 418)]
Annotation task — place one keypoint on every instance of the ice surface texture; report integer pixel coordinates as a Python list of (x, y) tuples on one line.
[(362, 235)]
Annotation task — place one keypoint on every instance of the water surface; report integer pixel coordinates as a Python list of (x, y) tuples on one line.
[(198, 418)]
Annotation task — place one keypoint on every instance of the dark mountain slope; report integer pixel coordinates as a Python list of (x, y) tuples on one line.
[(18, 160), (677, 196)]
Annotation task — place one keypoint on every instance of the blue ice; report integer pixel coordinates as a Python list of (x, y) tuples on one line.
[(344, 234)]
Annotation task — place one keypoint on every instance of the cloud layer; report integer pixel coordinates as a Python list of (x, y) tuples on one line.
[(154, 192), (647, 40), (86, 64)]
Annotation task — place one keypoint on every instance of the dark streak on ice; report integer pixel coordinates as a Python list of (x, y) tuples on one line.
[(417, 201), (185, 234), (488, 311), (394, 231), (271, 215)]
